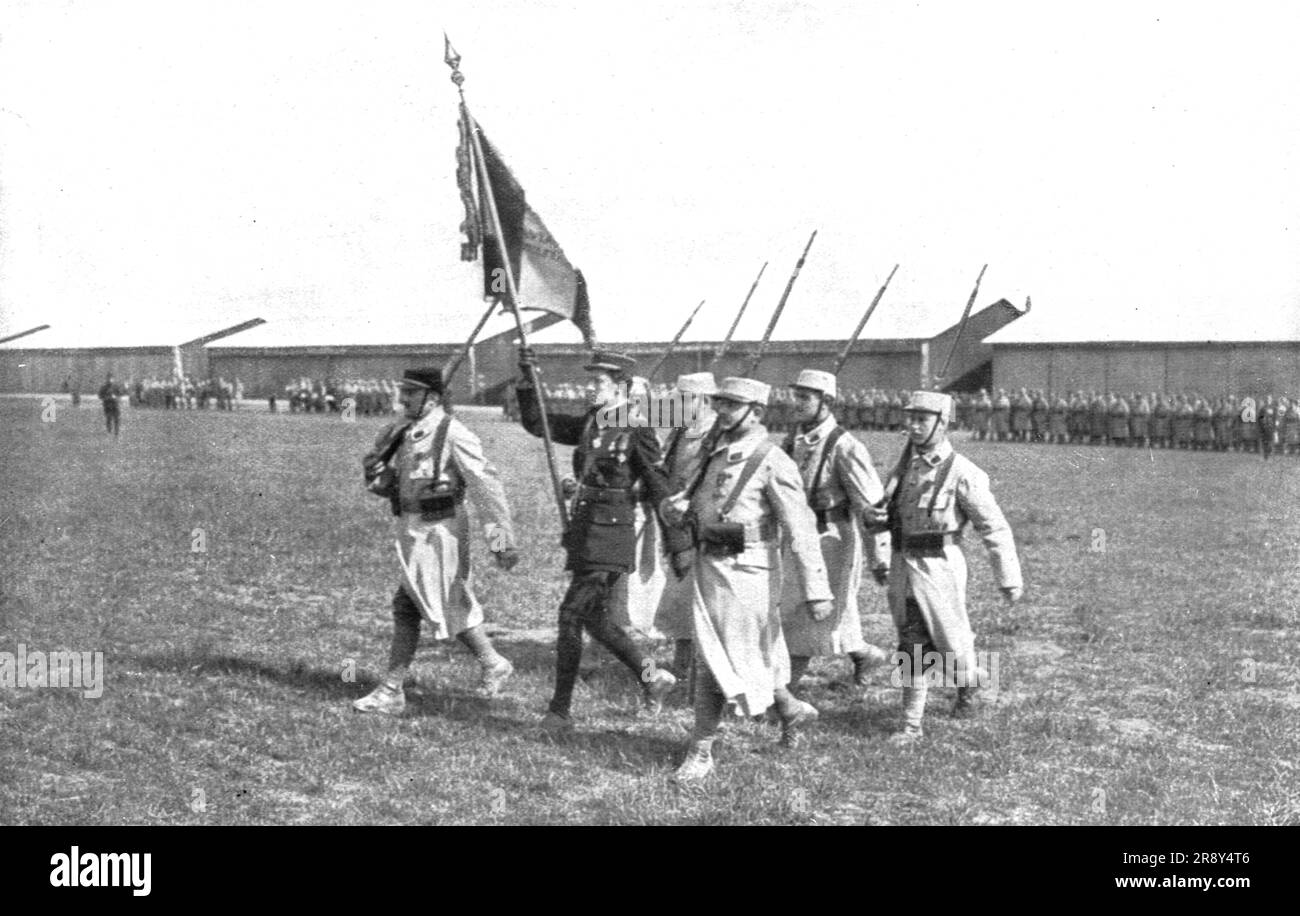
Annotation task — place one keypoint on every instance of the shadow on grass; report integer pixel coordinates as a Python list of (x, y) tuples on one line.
[(624, 748), (294, 673)]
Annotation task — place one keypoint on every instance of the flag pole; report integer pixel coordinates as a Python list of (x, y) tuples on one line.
[(452, 60), (722, 347)]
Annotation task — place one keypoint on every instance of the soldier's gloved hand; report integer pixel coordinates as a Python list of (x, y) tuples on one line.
[(820, 610), (568, 485), (673, 509), (880, 574), (682, 561), (527, 359), (1013, 594), (507, 558)]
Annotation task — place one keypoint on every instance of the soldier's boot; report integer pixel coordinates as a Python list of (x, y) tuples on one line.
[(913, 713), (554, 725), (385, 699), (968, 704), (657, 689), (698, 763), (864, 661), (795, 719), (493, 677)]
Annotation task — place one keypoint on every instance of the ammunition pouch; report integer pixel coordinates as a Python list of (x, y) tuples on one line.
[(729, 539), (430, 508), (722, 539), (921, 545)]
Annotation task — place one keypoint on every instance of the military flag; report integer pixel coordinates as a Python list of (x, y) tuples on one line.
[(544, 277)]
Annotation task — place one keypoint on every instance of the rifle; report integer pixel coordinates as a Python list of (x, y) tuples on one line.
[(673, 344), (722, 347), (939, 379), (848, 344), (895, 479), (780, 307)]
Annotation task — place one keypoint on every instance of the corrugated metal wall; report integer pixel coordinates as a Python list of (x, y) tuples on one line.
[(43, 371), (1209, 369)]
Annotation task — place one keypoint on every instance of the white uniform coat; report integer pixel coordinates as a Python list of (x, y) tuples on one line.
[(434, 555), (848, 478), (938, 583), (736, 609)]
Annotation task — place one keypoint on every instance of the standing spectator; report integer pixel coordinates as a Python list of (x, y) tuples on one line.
[(109, 393)]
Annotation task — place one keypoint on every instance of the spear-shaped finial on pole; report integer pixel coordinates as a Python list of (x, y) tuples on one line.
[(452, 59)]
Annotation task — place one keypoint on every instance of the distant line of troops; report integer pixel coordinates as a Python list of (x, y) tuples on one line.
[(185, 393), (1186, 421), (369, 397)]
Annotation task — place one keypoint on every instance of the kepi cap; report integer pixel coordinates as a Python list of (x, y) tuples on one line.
[(610, 361), (817, 380), (427, 377), (697, 383), (744, 390), (935, 402)]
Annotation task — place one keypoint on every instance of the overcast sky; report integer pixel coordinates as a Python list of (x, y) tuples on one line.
[(1132, 166)]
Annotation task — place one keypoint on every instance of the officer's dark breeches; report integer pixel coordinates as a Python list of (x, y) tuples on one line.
[(586, 606)]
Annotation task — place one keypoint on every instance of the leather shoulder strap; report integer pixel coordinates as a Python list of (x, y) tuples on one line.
[(831, 441), (751, 466), (439, 440)]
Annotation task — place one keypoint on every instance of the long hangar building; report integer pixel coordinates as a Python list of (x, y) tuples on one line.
[(997, 351)]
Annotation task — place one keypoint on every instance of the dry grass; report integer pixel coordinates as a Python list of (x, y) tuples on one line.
[(1154, 682)]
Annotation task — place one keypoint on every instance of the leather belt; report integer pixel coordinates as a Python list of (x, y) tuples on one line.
[(605, 494), (923, 545), (436, 505)]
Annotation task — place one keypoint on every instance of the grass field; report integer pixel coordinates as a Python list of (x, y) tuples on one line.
[(1152, 675)]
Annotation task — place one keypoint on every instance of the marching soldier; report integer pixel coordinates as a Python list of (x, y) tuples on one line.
[(934, 492), (600, 542), (687, 446), (746, 496), (635, 597), (425, 467), (839, 483)]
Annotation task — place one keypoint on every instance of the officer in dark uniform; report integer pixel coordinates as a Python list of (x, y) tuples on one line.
[(600, 543), (109, 392)]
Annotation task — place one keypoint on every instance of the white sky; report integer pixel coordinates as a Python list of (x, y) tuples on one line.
[(1131, 165)]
